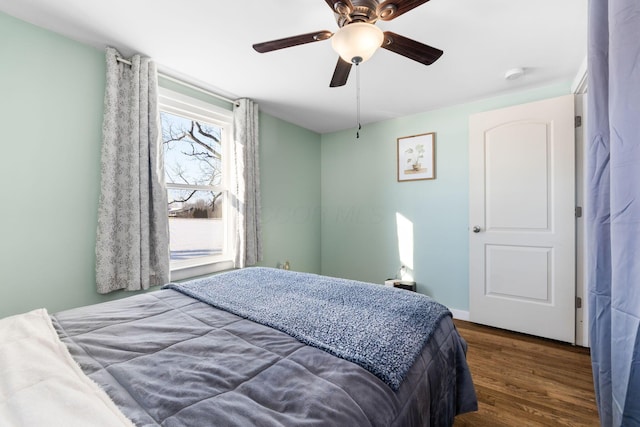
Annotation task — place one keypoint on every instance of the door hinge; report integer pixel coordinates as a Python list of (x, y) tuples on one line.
[(578, 121), (578, 302), (578, 211)]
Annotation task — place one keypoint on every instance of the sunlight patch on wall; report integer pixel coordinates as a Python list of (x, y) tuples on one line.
[(405, 241)]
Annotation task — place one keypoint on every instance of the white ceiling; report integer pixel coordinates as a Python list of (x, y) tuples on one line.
[(208, 43)]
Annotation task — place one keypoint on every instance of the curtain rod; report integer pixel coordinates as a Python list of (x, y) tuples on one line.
[(189, 85)]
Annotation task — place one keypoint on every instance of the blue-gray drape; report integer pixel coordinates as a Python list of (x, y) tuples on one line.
[(132, 243), (613, 213)]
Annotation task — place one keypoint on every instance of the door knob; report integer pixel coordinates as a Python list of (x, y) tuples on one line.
[(476, 229)]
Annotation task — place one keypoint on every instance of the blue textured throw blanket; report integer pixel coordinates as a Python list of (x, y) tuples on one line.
[(381, 329)]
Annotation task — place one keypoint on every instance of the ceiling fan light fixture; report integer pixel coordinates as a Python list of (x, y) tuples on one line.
[(357, 42), (388, 11)]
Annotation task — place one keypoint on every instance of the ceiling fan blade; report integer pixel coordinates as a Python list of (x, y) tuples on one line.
[(341, 73), (391, 9), (411, 49), (292, 41), (341, 7)]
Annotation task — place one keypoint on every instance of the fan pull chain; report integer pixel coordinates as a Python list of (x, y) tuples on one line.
[(358, 99)]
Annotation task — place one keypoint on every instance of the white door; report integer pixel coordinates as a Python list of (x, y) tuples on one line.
[(522, 218)]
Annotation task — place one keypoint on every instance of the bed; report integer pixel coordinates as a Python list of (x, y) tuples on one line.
[(195, 354)]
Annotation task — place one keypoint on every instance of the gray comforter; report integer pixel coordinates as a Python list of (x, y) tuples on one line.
[(379, 328), (168, 359)]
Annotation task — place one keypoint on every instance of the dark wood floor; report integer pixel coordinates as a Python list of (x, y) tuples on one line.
[(527, 381)]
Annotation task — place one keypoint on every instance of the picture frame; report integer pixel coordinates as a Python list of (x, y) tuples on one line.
[(416, 157)]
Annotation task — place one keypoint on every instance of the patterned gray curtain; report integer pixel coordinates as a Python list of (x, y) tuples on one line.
[(132, 245), (245, 188)]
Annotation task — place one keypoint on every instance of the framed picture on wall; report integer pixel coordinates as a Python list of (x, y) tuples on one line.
[(416, 157)]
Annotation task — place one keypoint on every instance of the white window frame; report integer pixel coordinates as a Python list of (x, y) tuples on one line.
[(195, 109)]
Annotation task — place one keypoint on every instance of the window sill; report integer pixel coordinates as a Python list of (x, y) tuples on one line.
[(179, 273)]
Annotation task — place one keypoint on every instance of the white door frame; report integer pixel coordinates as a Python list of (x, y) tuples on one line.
[(579, 88)]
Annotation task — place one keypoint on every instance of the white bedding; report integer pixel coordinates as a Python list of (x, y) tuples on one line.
[(41, 385)]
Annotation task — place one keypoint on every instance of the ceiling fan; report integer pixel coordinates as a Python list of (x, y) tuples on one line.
[(358, 37)]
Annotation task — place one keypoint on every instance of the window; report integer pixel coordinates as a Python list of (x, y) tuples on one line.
[(196, 137)]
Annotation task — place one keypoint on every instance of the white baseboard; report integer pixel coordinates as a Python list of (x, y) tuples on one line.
[(460, 314)]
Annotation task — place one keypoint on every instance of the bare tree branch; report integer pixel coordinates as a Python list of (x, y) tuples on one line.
[(216, 138), (184, 199), (198, 162), (197, 140)]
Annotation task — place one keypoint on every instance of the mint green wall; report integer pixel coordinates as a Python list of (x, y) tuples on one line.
[(51, 92), (51, 104), (361, 197), (290, 182)]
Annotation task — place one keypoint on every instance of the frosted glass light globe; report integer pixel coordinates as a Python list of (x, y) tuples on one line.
[(358, 40)]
